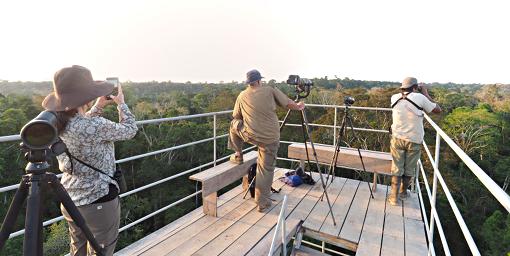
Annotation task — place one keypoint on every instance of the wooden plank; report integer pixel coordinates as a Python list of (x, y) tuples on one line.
[(393, 233), (224, 174), (250, 238), (414, 229), (321, 210), (351, 229), (196, 242), (340, 208), (371, 235), (170, 229), (412, 209), (374, 161), (264, 245), (415, 241)]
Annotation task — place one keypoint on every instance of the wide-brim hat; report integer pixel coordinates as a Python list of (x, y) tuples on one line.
[(253, 76), (74, 87), (408, 82)]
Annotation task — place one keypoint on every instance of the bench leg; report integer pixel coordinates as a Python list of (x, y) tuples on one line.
[(210, 204), (374, 186), (302, 164)]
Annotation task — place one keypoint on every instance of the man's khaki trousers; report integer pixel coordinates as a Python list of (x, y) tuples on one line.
[(265, 161)]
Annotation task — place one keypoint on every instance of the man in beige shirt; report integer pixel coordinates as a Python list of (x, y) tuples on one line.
[(255, 122)]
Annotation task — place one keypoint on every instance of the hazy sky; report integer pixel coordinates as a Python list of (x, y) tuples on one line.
[(213, 40)]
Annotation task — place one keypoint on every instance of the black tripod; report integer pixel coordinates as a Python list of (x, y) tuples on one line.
[(347, 119), (306, 136), (30, 189)]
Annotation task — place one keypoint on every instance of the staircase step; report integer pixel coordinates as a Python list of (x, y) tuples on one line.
[(307, 251)]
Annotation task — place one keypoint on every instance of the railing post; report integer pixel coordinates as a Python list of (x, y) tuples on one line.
[(334, 126), (214, 136), (434, 192)]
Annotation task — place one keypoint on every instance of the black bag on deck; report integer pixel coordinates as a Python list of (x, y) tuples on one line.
[(307, 179), (252, 174)]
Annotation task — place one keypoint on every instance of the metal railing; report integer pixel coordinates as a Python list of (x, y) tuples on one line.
[(280, 225), (431, 220)]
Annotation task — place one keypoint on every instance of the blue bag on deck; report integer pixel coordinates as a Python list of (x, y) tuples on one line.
[(292, 180)]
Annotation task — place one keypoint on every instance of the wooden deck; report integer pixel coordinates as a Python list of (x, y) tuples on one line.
[(364, 225)]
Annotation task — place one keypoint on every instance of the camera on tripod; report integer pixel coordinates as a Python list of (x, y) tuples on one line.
[(303, 85), (348, 100)]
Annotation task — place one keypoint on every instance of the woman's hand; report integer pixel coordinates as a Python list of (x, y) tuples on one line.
[(101, 102), (119, 98)]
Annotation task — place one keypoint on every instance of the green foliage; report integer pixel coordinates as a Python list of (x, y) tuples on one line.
[(57, 241), (496, 234)]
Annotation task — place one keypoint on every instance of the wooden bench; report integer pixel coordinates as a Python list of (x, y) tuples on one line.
[(375, 162), (220, 176)]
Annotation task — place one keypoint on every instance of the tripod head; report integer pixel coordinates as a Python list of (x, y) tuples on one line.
[(38, 157)]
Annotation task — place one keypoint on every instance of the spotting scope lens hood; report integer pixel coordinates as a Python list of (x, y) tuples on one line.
[(41, 132)]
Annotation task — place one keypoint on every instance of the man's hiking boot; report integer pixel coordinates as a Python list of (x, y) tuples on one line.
[(395, 186), (236, 159), (403, 194)]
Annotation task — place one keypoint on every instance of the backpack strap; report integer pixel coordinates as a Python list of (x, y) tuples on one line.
[(404, 97)]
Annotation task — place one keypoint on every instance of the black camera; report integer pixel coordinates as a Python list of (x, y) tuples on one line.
[(303, 85), (348, 100)]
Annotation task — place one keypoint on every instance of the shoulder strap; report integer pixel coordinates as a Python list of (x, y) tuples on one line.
[(404, 97), (88, 165)]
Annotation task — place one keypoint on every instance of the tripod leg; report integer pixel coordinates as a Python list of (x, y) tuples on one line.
[(12, 213), (332, 165), (285, 119), (73, 211), (306, 148), (248, 189), (359, 153), (305, 124), (33, 226)]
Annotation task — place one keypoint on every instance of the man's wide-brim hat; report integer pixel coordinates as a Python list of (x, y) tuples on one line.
[(253, 76), (74, 87)]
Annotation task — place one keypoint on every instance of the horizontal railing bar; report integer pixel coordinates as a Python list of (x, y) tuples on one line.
[(440, 230), (167, 149), (424, 214), (10, 138), (425, 180), (337, 127), (350, 107), (158, 211), (178, 118), (465, 230), (16, 186), (493, 187)]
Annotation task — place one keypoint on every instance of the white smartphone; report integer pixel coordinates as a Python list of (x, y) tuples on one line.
[(115, 82)]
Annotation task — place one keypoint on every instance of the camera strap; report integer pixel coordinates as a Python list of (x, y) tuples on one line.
[(404, 97), (71, 157)]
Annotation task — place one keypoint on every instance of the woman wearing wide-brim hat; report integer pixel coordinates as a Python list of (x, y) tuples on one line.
[(89, 138)]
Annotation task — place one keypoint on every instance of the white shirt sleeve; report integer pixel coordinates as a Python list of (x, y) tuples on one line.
[(426, 104)]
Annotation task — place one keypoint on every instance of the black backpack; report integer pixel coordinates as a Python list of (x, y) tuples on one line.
[(307, 179), (252, 174)]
